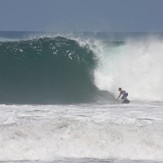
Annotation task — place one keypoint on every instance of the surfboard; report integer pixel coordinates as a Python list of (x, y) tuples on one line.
[(126, 101)]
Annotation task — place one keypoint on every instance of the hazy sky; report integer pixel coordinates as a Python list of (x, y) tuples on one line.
[(82, 15)]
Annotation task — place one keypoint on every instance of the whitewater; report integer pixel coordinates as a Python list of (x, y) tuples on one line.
[(58, 98)]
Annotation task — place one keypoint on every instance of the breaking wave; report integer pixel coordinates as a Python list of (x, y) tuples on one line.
[(64, 70)]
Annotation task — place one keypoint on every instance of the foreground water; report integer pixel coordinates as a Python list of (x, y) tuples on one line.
[(82, 133)]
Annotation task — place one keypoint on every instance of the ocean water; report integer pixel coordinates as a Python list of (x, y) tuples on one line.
[(58, 97)]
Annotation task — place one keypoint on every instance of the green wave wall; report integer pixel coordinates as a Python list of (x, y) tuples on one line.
[(46, 70)]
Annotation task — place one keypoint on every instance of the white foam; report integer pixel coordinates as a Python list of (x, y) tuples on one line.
[(135, 66), (81, 131)]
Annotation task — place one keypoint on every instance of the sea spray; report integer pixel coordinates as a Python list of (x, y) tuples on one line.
[(133, 65)]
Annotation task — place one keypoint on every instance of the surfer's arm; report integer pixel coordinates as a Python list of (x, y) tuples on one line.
[(119, 96)]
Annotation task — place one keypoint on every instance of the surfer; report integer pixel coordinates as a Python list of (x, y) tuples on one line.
[(123, 94)]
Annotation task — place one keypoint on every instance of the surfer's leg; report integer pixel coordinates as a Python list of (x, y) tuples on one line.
[(124, 96)]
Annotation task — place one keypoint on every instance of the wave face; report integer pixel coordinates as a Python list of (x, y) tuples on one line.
[(46, 70)]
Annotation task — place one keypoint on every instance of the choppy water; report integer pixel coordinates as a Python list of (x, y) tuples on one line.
[(81, 133)]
